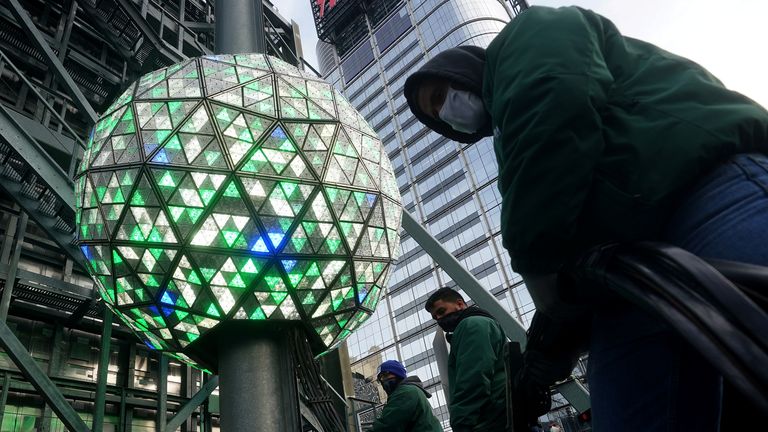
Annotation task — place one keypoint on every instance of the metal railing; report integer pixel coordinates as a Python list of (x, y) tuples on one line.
[(370, 411)]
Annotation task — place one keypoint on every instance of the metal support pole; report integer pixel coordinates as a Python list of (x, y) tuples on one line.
[(257, 381), (121, 423), (187, 387), (348, 382), (4, 394), (13, 266), (162, 391), (179, 28), (207, 421), (44, 386), (239, 27), (483, 298), (103, 372), (54, 365), (186, 410)]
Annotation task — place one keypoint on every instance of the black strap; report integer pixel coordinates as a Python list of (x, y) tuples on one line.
[(713, 314)]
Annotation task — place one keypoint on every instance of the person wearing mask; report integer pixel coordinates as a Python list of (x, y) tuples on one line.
[(407, 408), (605, 138), (476, 376)]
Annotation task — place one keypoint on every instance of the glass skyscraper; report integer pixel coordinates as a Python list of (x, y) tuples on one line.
[(449, 187)]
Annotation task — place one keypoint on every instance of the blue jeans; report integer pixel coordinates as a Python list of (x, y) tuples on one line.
[(642, 376)]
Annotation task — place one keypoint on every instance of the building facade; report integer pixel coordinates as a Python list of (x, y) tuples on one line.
[(449, 187)]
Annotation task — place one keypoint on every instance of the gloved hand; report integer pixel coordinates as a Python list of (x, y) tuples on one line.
[(531, 399)]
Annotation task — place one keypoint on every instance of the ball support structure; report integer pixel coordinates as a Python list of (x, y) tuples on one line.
[(236, 188)]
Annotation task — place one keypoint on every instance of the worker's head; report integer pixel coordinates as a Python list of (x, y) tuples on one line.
[(391, 373), (445, 306), (446, 94)]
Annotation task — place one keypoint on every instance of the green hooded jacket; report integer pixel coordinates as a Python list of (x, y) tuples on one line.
[(477, 379), (407, 410), (598, 135)]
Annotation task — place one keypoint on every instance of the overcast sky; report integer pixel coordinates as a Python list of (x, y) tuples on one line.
[(730, 38)]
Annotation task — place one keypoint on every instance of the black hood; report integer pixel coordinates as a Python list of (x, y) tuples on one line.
[(415, 381), (466, 313), (462, 65)]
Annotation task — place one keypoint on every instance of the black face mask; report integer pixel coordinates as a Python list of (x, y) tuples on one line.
[(390, 385), (449, 322)]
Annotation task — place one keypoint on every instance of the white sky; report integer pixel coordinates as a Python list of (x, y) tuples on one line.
[(730, 38)]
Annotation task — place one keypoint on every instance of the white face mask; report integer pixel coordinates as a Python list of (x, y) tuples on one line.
[(463, 110)]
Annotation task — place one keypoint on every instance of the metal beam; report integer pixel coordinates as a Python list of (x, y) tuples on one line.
[(13, 266), (42, 99), (440, 348), (199, 26), (43, 134), (310, 416), (106, 32), (103, 372), (53, 61), (192, 404), (50, 284), (464, 279), (170, 53), (25, 146), (32, 372), (14, 137), (514, 330), (80, 312)]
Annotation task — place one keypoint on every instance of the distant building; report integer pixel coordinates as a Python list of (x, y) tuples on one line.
[(368, 50)]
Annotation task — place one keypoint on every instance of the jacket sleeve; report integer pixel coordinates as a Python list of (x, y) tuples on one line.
[(546, 82), (397, 413), (475, 360)]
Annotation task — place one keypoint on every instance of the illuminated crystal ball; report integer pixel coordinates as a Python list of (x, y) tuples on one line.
[(236, 188)]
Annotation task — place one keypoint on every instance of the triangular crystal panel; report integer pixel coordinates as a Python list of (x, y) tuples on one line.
[(257, 61), (229, 225), (92, 225), (321, 93), (185, 83), (124, 98), (187, 280), (257, 189), (151, 79), (130, 290), (143, 194), (146, 224), (218, 76)]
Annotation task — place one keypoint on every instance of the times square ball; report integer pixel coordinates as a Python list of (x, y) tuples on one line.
[(236, 187)]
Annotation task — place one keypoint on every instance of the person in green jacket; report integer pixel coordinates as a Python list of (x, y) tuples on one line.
[(407, 408), (600, 137), (477, 378)]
